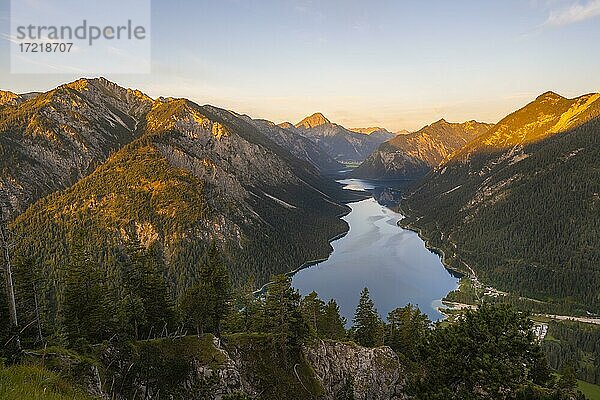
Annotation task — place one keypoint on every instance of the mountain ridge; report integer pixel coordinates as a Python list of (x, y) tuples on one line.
[(518, 204), (412, 155), (342, 144)]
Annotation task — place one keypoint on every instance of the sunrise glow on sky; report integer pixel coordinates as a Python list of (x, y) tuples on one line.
[(396, 64)]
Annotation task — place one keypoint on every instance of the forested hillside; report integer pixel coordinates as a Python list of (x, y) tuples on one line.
[(520, 204), (48, 141)]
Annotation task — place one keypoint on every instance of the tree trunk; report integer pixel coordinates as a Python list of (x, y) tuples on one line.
[(10, 290), (37, 314)]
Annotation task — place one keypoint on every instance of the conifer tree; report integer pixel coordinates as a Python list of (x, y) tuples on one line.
[(146, 302), (6, 246), (333, 325), (312, 309), (247, 319), (215, 274), (282, 315), (87, 312), (207, 303), (407, 327), (27, 284), (367, 326)]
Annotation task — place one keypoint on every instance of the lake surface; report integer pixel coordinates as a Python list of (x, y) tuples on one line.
[(376, 253)]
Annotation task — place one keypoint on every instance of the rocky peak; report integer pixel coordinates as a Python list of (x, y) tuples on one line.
[(286, 125), (549, 95), (7, 97), (317, 119), (370, 130)]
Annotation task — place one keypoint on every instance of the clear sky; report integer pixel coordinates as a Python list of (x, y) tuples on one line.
[(397, 64)]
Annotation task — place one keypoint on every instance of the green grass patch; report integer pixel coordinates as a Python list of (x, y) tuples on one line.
[(32, 382), (591, 391)]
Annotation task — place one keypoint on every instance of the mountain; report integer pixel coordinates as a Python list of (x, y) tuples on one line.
[(300, 146), (519, 204), (414, 154), (342, 144), (8, 98), (49, 141), (119, 166), (375, 132)]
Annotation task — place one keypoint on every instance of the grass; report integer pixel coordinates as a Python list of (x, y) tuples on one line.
[(591, 391), (30, 382)]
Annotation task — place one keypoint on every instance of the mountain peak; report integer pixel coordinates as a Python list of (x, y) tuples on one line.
[(549, 95), (317, 119), (370, 130), (7, 97), (286, 125)]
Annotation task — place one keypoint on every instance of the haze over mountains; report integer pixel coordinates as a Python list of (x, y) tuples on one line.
[(342, 144)]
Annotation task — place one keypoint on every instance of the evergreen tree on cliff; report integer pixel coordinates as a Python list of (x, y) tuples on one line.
[(367, 327), (282, 316), (407, 327), (146, 302), (333, 325), (491, 353), (88, 315), (312, 308)]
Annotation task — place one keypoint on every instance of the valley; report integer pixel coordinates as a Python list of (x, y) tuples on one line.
[(391, 261), (299, 200), (167, 217)]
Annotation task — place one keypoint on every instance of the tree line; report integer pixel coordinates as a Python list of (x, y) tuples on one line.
[(489, 353)]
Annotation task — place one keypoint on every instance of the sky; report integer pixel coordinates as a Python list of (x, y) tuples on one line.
[(396, 64)]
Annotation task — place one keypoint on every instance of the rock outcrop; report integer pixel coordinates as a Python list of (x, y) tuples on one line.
[(371, 374), (253, 366)]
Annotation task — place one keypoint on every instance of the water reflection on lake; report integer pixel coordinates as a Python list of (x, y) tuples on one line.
[(376, 253)]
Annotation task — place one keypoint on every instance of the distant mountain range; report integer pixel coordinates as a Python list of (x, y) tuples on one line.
[(520, 204), (342, 144), (300, 146), (516, 201), (412, 155)]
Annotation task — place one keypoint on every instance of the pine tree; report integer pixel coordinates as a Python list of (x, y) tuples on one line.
[(87, 312), (367, 326), (282, 316), (27, 284), (333, 325), (208, 302), (312, 309), (247, 319), (197, 306), (568, 379), (407, 327), (146, 304), (216, 275), (6, 246)]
